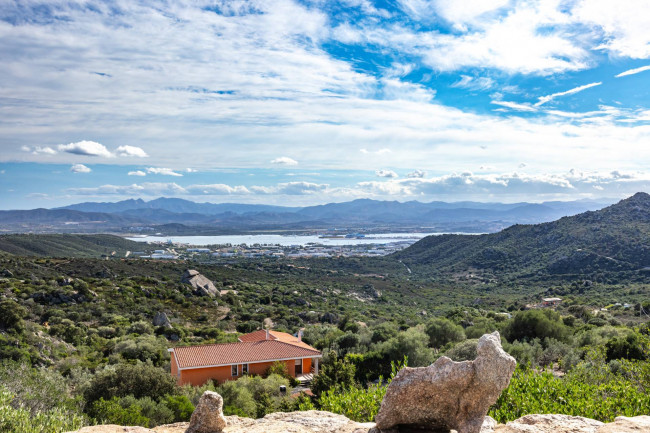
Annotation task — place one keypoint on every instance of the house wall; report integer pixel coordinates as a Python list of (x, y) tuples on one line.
[(199, 376), (174, 365)]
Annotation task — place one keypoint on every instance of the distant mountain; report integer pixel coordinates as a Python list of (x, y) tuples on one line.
[(188, 217), (177, 205), (613, 239)]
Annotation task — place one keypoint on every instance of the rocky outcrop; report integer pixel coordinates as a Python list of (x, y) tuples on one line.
[(202, 286), (624, 424), (448, 395), (314, 421), (208, 415), (550, 423), (161, 319)]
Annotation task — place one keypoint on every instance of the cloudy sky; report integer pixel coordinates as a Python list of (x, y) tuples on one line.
[(305, 102)]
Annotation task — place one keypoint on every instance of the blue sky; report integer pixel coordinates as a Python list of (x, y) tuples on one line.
[(305, 102)]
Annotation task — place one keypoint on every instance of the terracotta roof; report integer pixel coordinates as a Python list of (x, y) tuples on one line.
[(240, 353), (275, 336)]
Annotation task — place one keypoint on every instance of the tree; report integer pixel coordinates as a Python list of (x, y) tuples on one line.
[(11, 316), (527, 325), (336, 373), (139, 380), (442, 331)]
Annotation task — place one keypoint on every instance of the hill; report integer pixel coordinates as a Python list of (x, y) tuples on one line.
[(612, 240), (59, 245)]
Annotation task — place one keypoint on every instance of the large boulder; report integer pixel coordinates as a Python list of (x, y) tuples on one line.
[(448, 395), (161, 319), (208, 415), (202, 286)]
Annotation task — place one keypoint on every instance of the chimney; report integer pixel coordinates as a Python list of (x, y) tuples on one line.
[(267, 334), (300, 335)]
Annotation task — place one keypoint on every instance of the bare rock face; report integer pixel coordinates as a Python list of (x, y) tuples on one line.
[(161, 319), (208, 415), (202, 286), (448, 395), (624, 424), (550, 423)]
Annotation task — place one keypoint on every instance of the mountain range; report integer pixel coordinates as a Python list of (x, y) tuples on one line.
[(178, 216)]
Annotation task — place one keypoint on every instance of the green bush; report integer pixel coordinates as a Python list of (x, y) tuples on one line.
[(338, 373), (112, 412), (11, 316), (21, 420), (442, 331), (587, 391), (139, 380), (527, 325)]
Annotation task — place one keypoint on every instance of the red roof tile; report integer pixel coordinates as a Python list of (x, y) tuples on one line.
[(276, 336), (240, 353)]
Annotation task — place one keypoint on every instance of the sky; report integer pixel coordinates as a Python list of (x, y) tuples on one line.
[(292, 102)]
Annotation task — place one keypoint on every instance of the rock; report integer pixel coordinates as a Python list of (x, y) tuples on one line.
[(202, 286), (110, 428), (161, 319), (7, 273), (624, 424), (447, 394), (208, 415), (550, 424), (314, 421), (317, 421)]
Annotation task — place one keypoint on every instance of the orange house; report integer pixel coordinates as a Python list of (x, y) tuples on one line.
[(253, 354)]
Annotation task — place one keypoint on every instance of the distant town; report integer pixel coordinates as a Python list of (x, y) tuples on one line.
[(173, 250)]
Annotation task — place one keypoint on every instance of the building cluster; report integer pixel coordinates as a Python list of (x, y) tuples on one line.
[(180, 251)]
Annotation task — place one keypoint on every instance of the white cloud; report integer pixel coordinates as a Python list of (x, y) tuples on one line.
[(386, 173), (131, 151), (80, 168), (416, 174), (291, 188), (134, 190), (633, 71), (217, 189), (515, 105), (163, 171), (547, 98), (38, 150), (622, 26), (87, 148), (191, 170), (137, 173), (474, 83), (284, 160)]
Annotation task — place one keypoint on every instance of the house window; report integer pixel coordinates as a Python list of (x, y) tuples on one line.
[(244, 369), (298, 365), (233, 370)]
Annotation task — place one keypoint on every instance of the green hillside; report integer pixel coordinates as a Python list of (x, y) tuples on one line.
[(613, 240), (64, 245)]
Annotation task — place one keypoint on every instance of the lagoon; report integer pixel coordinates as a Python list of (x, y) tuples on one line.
[(285, 240)]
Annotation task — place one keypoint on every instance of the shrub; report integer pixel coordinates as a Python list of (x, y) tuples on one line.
[(338, 373), (112, 412), (442, 331), (527, 325), (139, 380), (11, 316), (21, 420)]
